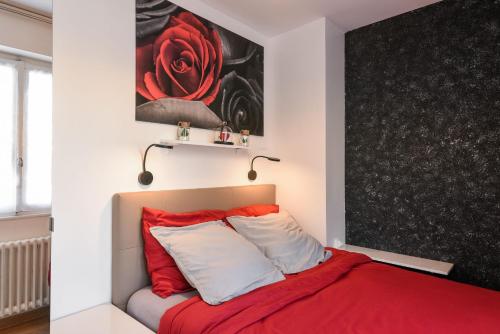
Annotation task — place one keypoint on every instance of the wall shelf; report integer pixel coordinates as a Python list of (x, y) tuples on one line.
[(203, 144), (432, 266)]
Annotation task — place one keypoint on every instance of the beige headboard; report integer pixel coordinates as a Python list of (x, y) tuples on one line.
[(129, 271)]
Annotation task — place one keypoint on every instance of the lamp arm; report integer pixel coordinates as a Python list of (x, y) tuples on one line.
[(259, 156), (145, 178), (145, 156)]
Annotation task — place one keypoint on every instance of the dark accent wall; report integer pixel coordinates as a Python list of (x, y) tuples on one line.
[(423, 136)]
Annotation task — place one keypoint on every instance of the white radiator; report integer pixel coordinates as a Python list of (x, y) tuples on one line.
[(24, 267)]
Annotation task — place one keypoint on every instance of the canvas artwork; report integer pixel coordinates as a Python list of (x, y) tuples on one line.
[(190, 69)]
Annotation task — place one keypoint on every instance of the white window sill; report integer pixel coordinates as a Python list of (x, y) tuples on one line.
[(24, 215)]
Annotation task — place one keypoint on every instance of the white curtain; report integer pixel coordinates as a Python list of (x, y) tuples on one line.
[(8, 107), (37, 187)]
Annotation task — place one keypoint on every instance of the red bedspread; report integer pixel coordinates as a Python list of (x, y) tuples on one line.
[(347, 294)]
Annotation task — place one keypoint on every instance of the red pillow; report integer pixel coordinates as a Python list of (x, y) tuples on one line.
[(163, 271), (254, 210)]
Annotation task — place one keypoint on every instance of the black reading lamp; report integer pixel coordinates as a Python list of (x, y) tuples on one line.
[(252, 175), (146, 177)]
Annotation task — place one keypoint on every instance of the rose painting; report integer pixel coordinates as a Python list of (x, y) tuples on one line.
[(190, 69)]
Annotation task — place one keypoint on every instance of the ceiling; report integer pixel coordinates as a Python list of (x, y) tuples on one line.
[(43, 7), (272, 17)]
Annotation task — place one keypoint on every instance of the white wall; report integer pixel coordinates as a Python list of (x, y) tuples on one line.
[(98, 144), (298, 69), (19, 34), (308, 84), (335, 134)]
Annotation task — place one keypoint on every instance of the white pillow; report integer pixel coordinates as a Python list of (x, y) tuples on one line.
[(282, 240), (217, 261)]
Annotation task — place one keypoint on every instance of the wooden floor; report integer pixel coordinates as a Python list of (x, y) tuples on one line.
[(38, 326), (34, 322)]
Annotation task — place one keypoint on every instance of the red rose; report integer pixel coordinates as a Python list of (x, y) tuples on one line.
[(183, 62)]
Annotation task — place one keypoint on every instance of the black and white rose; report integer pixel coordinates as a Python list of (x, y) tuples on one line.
[(241, 103), (152, 16)]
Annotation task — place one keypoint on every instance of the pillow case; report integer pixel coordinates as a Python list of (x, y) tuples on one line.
[(281, 240), (217, 261), (254, 210), (166, 278)]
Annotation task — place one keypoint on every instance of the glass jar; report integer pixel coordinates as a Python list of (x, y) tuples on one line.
[(183, 131), (244, 138)]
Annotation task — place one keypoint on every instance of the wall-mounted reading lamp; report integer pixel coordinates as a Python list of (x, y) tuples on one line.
[(146, 177), (252, 175)]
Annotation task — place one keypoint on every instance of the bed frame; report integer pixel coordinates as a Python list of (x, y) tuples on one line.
[(129, 270)]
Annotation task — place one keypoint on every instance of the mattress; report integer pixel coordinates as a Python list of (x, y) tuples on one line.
[(148, 308)]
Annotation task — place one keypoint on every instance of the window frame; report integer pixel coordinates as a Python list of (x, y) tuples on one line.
[(23, 65)]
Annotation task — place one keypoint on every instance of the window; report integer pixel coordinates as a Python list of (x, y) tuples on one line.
[(25, 136)]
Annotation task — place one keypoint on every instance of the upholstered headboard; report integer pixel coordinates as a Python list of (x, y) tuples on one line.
[(129, 270)]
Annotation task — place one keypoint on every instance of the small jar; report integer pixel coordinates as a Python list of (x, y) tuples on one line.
[(183, 131), (244, 138)]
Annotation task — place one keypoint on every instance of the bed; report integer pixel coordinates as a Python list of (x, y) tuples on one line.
[(347, 294)]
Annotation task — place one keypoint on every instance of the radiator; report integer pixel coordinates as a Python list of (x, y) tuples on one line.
[(24, 266)]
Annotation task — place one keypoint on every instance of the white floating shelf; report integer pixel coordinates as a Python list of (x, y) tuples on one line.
[(204, 144), (432, 266)]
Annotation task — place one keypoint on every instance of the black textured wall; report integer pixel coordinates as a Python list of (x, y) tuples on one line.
[(423, 136)]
